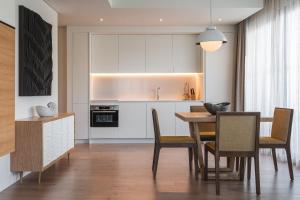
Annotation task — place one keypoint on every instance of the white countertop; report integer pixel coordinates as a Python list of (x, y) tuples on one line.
[(144, 100)]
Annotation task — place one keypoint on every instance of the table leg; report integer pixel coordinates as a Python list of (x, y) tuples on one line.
[(199, 147)]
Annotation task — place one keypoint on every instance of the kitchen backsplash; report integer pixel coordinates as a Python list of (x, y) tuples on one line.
[(143, 87)]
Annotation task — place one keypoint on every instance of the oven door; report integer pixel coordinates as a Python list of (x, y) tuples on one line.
[(104, 118)]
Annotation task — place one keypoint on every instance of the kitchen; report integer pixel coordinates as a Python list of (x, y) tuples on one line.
[(137, 71)]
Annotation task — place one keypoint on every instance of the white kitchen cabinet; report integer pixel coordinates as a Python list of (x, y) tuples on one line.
[(132, 54), (182, 127), (80, 65), (166, 117), (159, 54), (132, 120), (219, 72), (82, 121), (186, 54), (104, 53)]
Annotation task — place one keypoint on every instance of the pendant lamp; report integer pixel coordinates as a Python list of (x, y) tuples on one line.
[(211, 39)]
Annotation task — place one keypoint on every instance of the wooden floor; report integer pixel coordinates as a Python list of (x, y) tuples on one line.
[(123, 171)]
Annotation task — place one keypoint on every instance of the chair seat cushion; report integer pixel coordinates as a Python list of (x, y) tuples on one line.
[(176, 139), (270, 141), (208, 136)]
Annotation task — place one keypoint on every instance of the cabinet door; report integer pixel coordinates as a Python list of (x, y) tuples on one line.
[(166, 117), (57, 135), (132, 53), (104, 53), (48, 154), (132, 120), (159, 53), (220, 66), (186, 54), (82, 121), (182, 127), (80, 64)]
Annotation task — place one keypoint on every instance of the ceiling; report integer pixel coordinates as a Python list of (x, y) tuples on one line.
[(152, 12)]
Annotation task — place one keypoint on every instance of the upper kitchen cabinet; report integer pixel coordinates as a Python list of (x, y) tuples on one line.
[(159, 54), (132, 54), (186, 54), (104, 53), (80, 63)]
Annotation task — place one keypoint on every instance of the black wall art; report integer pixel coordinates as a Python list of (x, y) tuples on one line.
[(35, 54)]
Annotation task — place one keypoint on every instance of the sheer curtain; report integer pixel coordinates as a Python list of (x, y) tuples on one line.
[(272, 64)]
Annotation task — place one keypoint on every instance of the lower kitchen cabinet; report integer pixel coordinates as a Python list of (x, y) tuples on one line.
[(40, 142), (166, 117), (132, 120), (135, 120), (81, 111)]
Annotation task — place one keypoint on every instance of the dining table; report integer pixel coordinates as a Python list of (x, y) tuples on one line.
[(194, 119)]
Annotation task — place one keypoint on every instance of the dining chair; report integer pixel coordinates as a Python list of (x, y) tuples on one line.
[(280, 138), (170, 142), (207, 131), (237, 135)]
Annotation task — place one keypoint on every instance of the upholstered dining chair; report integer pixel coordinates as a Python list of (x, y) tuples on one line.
[(206, 130), (280, 138), (170, 142), (237, 135)]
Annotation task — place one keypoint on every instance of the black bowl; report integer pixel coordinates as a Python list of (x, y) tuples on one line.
[(214, 108)]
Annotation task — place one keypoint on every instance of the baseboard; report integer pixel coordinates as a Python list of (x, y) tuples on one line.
[(84, 141), (121, 141)]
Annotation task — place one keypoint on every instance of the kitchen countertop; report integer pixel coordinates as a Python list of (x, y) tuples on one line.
[(144, 100)]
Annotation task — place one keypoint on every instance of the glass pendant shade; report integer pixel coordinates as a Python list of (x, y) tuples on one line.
[(212, 39)]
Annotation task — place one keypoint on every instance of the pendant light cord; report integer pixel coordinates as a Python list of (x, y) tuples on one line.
[(211, 12)]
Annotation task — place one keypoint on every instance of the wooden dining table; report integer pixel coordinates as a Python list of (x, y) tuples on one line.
[(195, 119)]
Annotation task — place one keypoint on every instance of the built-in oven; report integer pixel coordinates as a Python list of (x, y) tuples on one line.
[(104, 115)]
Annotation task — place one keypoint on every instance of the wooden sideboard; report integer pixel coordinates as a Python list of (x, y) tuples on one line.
[(42, 141)]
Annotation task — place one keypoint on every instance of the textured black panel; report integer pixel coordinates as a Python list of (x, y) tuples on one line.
[(35, 54)]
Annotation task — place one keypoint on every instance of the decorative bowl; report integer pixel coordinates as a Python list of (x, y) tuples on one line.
[(214, 108), (44, 111)]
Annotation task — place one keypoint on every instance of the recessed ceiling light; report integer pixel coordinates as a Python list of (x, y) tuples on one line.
[(220, 19), (101, 19), (161, 19)]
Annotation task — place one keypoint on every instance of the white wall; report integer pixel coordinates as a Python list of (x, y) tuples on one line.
[(9, 14)]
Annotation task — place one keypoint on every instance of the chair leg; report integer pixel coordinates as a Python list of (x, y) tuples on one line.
[(249, 168), (237, 163), (257, 176), (190, 150), (157, 151), (154, 152), (274, 159), (242, 168), (290, 164), (217, 166), (206, 163), (196, 164)]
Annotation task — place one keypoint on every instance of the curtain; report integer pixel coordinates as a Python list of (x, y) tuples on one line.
[(272, 64), (240, 68)]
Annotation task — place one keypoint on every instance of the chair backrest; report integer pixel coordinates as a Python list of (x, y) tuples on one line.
[(156, 126), (204, 127), (237, 132), (282, 124)]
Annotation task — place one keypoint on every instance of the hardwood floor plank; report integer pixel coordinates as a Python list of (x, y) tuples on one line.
[(123, 172)]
